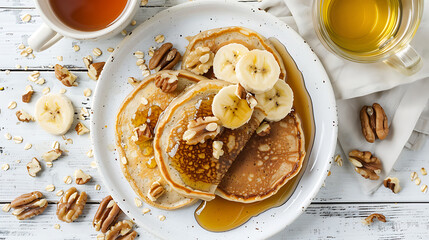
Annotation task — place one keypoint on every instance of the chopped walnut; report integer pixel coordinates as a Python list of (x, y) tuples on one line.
[(370, 219), (107, 213), (65, 76), (155, 191), (71, 205), (33, 167), (81, 129), (392, 184), (217, 149), (52, 155), (121, 230), (263, 129), (365, 164), (81, 177), (201, 129), (28, 94), (87, 61), (200, 60), (374, 122), (142, 133), (29, 205), (167, 82), (23, 116), (94, 70)]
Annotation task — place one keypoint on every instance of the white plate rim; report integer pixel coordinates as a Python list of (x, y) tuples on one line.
[(331, 101)]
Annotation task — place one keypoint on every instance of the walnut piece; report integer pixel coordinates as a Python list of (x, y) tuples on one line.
[(33, 167), (200, 60), (23, 116), (94, 70), (164, 58), (65, 76), (81, 129), (142, 133), (263, 129), (365, 164), (167, 82), (155, 191), (374, 122), (29, 205), (81, 177), (392, 184), (26, 97), (52, 155), (71, 205), (201, 129), (107, 213), (370, 219), (121, 230)]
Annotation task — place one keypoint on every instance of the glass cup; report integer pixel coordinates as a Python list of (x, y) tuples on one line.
[(394, 51)]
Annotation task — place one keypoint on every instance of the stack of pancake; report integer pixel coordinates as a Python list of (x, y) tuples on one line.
[(169, 172)]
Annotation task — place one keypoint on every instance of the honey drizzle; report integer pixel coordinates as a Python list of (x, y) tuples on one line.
[(223, 215)]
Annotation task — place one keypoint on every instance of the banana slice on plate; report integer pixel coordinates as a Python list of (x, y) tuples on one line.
[(232, 111), (226, 59), (54, 113), (257, 71), (277, 102)]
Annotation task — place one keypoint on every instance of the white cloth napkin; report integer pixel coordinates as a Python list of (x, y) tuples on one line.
[(403, 97)]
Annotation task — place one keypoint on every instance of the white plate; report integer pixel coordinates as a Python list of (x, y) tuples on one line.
[(175, 24)]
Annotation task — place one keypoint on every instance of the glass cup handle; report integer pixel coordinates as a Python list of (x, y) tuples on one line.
[(43, 38), (407, 61)]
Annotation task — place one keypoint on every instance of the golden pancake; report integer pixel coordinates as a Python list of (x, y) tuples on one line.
[(143, 106), (192, 170), (266, 163), (219, 37)]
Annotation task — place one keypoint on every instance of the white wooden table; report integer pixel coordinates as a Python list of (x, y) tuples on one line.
[(336, 212)]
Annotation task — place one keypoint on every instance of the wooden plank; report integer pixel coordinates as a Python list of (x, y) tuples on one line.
[(151, 3), (319, 221)]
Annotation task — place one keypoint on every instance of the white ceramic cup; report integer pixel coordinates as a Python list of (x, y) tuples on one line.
[(52, 30)]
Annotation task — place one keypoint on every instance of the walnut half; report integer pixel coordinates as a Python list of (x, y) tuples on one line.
[(23, 116), (167, 82), (374, 122), (71, 205), (29, 205), (200, 60), (107, 213), (201, 129), (164, 58), (121, 230), (366, 164)]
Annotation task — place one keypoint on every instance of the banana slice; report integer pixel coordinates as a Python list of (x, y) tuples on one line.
[(54, 113), (226, 59), (277, 102), (257, 71), (232, 111)]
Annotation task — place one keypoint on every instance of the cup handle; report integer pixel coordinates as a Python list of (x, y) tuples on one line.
[(407, 61), (43, 38)]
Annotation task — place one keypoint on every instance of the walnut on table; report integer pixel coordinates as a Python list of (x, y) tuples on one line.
[(366, 164), (392, 184), (374, 122), (29, 205), (370, 219), (107, 213), (71, 205)]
